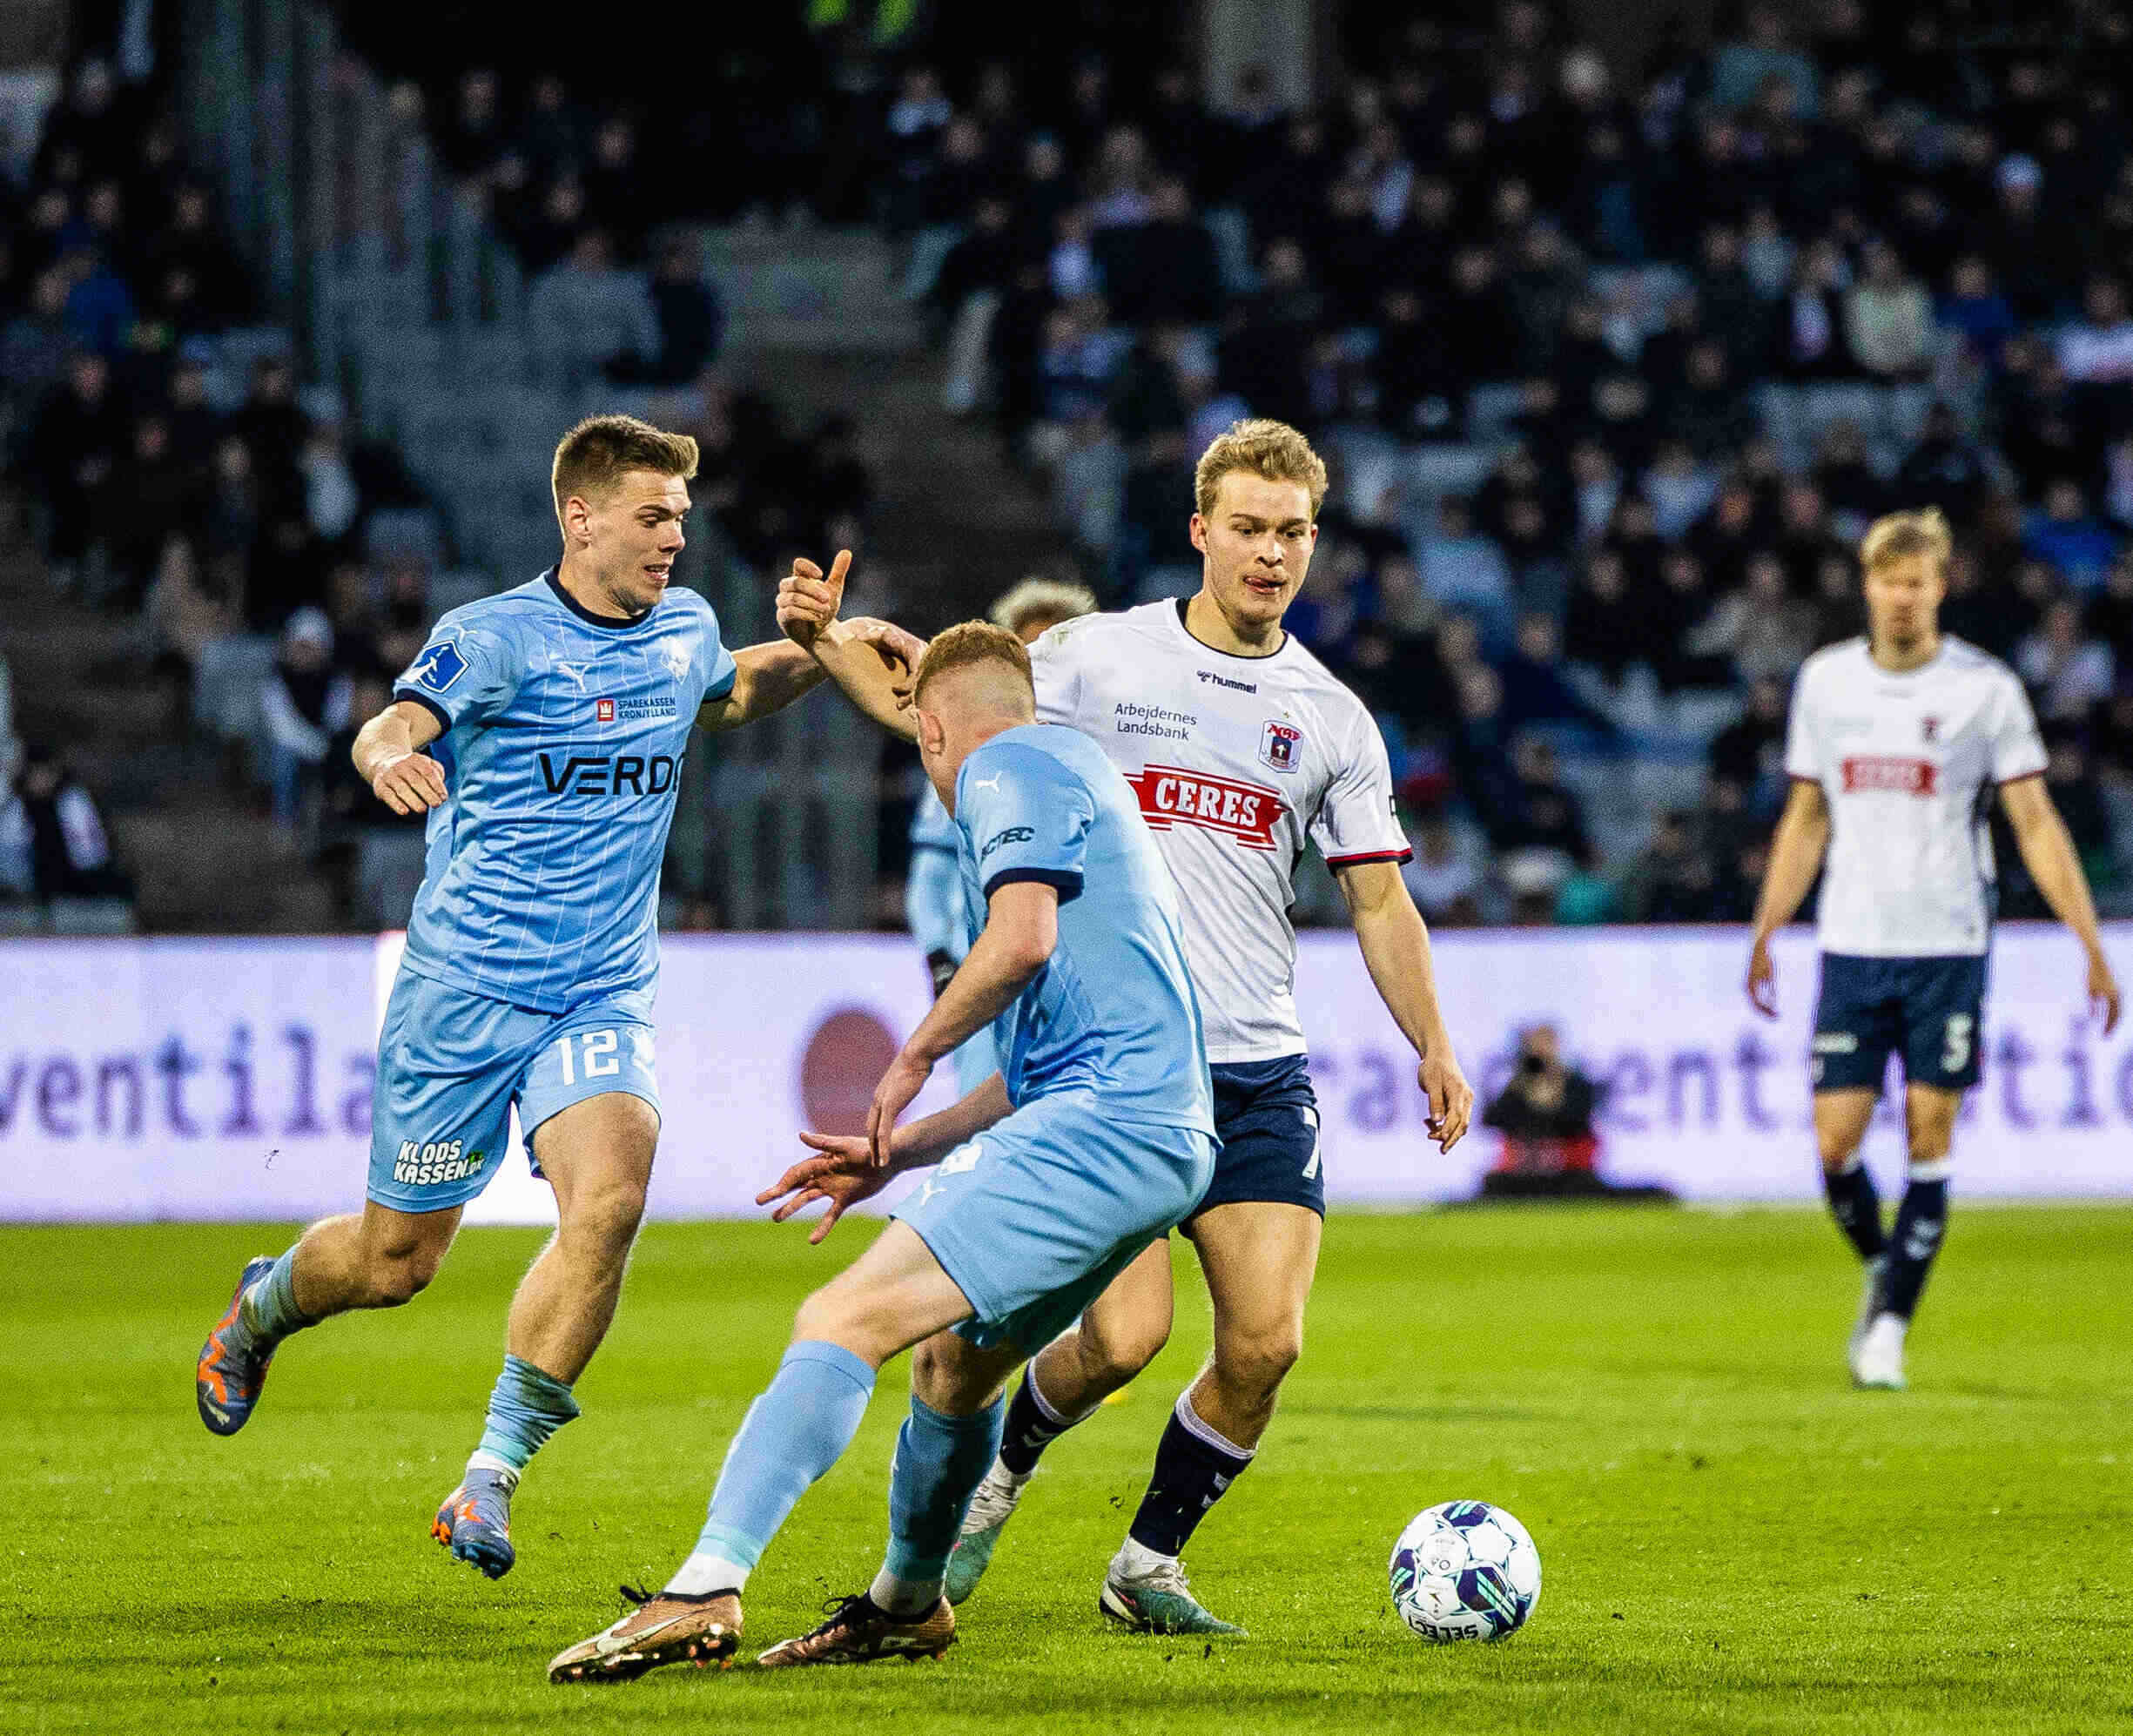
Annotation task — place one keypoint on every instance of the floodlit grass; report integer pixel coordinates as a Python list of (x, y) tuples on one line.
[(1732, 1539)]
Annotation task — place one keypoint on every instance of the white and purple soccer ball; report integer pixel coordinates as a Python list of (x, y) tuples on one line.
[(1463, 1570)]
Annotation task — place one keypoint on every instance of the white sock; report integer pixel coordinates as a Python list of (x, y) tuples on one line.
[(705, 1572), (1135, 1560), (906, 1599), (481, 1461)]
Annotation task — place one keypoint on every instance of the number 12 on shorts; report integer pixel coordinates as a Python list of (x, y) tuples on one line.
[(594, 1054)]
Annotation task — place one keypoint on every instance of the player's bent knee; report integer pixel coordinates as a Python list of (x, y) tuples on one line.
[(1258, 1363), (1838, 1149), (839, 1315), (952, 1376), (1112, 1357), (402, 1273), (607, 1216)]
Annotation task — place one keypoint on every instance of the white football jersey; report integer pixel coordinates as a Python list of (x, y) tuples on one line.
[(1237, 761), (1909, 763)]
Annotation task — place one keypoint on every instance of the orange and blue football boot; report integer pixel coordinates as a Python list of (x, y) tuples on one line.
[(475, 1523), (232, 1369)]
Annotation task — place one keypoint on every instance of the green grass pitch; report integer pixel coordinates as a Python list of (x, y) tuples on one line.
[(1732, 1538)]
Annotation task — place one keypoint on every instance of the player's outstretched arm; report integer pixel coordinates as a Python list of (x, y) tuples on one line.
[(871, 661), (1795, 858), (2048, 852), (1396, 947), (388, 756), (844, 1171), (1021, 928), (766, 678)]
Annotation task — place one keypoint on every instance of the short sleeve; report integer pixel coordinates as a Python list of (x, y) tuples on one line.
[(1800, 760), (1026, 817), (1056, 669), (724, 670), (721, 671), (466, 674), (1358, 822), (2017, 749)]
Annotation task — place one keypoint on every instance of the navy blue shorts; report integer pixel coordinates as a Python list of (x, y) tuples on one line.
[(1267, 1118), (1929, 1011)]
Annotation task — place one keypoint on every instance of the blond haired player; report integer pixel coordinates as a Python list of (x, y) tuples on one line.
[(1241, 750), (1898, 741)]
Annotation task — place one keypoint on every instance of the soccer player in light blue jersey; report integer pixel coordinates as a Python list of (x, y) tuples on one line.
[(934, 907), (1096, 1138), (542, 731)]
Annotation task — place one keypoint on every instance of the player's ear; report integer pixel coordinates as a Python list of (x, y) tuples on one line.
[(1198, 531)]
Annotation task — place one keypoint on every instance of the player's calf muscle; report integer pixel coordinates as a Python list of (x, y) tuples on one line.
[(379, 1260)]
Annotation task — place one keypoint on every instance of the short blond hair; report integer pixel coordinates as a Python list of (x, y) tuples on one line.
[(601, 450), (968, 645), (1265, 447), (1897, 536), (1054, 599)]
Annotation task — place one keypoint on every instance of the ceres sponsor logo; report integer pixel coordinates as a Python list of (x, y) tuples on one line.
[(1889, 775), (1171, 797)]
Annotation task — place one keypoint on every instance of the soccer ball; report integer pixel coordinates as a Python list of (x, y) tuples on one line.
[(1463, 1570)]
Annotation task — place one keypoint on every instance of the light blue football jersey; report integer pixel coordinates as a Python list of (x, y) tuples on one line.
[(1112, 1011), (934, 905), (563, 738)]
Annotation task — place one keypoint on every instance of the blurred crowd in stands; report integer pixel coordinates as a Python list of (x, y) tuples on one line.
[(279, 567), (1613, 364), (1613, 372)]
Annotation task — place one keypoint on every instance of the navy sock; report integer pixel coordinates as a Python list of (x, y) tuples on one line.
[(1032, 1426), (1921, 1219), (1856, 1207), (1194, 1465)]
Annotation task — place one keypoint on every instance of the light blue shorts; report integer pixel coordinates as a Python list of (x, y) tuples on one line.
[(452, 1064), (1039, 1213)]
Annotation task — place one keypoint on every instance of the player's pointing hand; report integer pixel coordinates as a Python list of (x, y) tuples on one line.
[(808, 601), (410, 783)]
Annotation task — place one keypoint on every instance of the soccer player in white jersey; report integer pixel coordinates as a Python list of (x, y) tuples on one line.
[(935, 908), (1898, 742), (1241, 748)]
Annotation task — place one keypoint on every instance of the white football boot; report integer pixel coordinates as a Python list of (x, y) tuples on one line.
[(1869, 1305), (1879, 1360)]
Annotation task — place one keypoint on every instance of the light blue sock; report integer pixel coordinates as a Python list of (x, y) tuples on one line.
[(940, 1460), (796, 1431), (268, 1312), (526, 1407)]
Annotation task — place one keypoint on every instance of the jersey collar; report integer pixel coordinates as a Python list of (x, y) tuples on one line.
[(1199, 644), (606, 622)]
